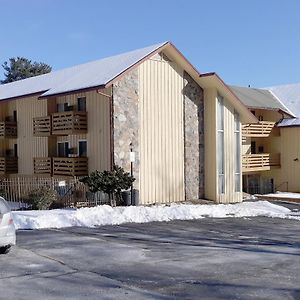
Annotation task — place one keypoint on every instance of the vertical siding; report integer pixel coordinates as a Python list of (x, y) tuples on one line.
[(210, 142), (161, 132), (290, 169), (210, 135), (98, 135), (230, 196), (28, 145)]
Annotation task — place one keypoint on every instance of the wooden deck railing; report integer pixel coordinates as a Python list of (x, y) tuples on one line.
[(42, 126), (69, 122), (261, 129), (8, 165), (42, 165), (70, 166), (260, 162), (61, 166), (8, 129)]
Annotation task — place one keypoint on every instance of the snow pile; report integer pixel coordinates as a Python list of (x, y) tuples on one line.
[(106, 215), (284, 195)]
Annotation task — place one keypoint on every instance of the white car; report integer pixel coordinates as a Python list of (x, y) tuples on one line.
[(7, 228)]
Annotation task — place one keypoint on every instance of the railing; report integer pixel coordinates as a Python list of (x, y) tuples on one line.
[(70, 166), (8, 129), (69, 122), (42, 126), (8, 165), (61, 166), (261, 129), (260, 162), (42, 165)]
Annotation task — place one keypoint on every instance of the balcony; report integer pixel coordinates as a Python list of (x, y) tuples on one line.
[(61, 166), (69, 122), (42, 165), (261, 129), (8, 165), (260, 162), (8, 129), (42, 126)]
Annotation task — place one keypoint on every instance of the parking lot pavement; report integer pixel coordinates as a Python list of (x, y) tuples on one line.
[(256, 258)]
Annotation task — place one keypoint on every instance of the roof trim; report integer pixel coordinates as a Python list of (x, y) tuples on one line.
[(72, 92), (249, 117), (22, 96), (121, 74)]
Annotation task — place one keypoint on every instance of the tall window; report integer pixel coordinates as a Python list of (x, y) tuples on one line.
[(82, 149), (62, 149), (220, 149), (237, 137), (81, 103)]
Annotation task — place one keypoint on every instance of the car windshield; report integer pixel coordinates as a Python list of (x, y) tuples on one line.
[(3, 206)]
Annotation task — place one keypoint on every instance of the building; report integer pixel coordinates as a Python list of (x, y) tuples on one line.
[(271, 148), (184, 127)]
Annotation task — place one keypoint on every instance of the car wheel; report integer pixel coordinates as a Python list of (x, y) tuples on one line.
[(4, 250)]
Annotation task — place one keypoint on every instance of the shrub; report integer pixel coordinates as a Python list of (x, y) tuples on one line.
[(42, 198), (110, 182)]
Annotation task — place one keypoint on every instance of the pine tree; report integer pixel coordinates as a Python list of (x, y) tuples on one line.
[(20, 68)]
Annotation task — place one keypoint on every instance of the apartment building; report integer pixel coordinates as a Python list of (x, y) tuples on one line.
[(183, 126)]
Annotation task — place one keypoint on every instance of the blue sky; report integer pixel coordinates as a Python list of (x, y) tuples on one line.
[(245, 42)]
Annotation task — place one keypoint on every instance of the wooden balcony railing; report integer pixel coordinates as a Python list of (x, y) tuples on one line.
[(8, 165), (8, 129), (42, 126), (42, 165), (260, 162), (61, 166), (70, 166), (261, 129), (69, 122)]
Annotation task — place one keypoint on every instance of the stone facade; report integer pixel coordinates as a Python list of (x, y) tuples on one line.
[(193, 139), (126, 122)]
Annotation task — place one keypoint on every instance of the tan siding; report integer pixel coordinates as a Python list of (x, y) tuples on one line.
[(229, 149), (161, 132), (98, 135), (28, 145), (211, 172), (210, 142), (290, 169)]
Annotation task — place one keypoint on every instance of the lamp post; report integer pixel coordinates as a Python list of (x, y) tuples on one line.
[(132, 159)]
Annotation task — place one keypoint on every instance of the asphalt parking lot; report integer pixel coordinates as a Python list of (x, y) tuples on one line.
[(232, 258)]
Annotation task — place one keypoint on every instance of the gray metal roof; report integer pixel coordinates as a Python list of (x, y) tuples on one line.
[(92, 74), (289, 94), (289, 122), (259, 98)]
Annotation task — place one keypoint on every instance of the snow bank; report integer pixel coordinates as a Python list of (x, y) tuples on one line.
[(106, 215), (284, 195)]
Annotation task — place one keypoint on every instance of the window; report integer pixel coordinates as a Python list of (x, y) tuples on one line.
[(260, 118), (253, 147), (237, 138), (220, 145), (61, 107), (81, 103), (62, 149), (82, 149)]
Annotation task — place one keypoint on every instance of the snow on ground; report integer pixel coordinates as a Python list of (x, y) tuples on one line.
[(107, 215), (284, 195)]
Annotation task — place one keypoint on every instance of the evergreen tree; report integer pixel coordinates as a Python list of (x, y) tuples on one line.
[(18, 68)]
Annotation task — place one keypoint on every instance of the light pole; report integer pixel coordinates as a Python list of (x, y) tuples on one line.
[(132, 159)]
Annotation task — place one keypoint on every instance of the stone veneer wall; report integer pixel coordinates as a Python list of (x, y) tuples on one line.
[(126, 122), (194, 139)]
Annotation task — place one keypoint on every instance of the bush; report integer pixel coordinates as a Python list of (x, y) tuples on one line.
[(110, 182), (42, 198)]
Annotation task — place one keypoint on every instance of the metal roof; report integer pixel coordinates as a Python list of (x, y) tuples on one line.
[(259, 98), (289, 122), (289, 94), (88, 75)]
